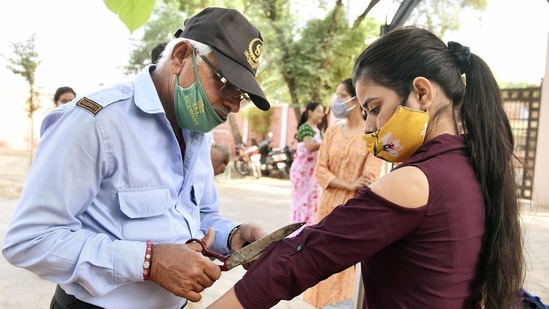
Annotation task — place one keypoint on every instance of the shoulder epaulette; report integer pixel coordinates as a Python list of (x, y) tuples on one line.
[(89, 105)]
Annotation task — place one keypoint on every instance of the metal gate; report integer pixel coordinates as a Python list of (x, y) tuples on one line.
[(523, 109)]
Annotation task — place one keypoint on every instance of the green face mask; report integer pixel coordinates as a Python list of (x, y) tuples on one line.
[(193, 110)]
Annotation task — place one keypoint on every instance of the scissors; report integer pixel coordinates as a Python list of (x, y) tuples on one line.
[(250, 252)]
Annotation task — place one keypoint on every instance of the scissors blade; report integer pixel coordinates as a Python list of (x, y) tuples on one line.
[(255, 249)]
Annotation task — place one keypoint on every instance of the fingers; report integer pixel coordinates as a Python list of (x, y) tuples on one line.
[(192, 296), (213, 272), (195, 246), (247, 233), (201, 282), (208, 239), (371, 177), (252, 232), (183, 271), (195, 288), (365, 180)]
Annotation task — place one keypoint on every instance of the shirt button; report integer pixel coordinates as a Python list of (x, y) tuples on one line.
[(299, 248)]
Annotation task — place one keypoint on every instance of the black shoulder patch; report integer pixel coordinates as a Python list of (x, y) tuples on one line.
[(89, 105)]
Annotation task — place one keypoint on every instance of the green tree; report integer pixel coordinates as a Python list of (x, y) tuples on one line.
[(24, 62), (308, 57), (441, 16), (311, 58), (258, 119)]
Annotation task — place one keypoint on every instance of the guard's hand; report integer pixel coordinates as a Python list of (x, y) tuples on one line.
[(246, 234), (182, 269)]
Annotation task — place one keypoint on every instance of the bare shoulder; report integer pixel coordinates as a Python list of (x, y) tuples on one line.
[(407, 187)]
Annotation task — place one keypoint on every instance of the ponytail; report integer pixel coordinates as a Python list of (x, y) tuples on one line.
[(490, 141)]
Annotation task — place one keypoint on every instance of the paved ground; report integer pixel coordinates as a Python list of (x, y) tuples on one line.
[(264, 201)]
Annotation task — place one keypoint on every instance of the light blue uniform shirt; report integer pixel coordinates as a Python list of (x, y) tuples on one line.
[(101, 185)]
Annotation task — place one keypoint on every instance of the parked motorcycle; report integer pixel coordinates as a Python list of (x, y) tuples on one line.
[(275, 160), (247, 160), (290, 155)]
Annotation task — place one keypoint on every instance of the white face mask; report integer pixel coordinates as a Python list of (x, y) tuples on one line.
[(340, 108)]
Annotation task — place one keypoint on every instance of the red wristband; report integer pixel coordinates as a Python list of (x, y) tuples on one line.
[(147, 261)]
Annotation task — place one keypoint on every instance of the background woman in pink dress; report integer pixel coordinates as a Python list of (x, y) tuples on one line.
[(305, 190)]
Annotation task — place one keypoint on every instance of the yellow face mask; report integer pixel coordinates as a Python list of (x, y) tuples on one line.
[(400, 136)]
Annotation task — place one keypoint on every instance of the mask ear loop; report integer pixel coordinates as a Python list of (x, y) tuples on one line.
[(195, 69), (349, 100)]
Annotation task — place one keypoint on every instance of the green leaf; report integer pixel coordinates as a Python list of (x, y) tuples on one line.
[(133, 13), (114, 5)]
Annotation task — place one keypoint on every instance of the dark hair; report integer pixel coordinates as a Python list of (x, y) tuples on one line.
[(348, 83), (393, 61), (305, 114), (60, 91), (157, 52)]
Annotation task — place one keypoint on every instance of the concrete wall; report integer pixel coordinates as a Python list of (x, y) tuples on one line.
[(541, 170)]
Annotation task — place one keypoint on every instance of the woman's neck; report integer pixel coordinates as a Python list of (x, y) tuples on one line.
[(312, 124)]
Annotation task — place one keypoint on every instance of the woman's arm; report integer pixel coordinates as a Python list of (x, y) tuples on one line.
[(228, 300), (310, 144)]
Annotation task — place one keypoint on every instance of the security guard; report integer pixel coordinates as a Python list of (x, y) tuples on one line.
[(122, 177)]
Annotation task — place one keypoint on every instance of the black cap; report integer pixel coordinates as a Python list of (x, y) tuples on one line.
[(236, 43)]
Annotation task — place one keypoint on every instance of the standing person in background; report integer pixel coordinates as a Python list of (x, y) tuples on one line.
[(220, 156), (122, 178), (305, 190), (63, 95), (343, 166), (443, 228)]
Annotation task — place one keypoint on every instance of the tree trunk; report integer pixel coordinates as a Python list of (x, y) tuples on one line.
[(31, 138), (297, 113), (235, 130)]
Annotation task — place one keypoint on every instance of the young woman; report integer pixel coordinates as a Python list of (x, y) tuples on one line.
[(305, 190), (442, 229)]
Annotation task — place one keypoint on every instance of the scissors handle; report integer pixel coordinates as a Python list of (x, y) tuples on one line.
[(208, 253)]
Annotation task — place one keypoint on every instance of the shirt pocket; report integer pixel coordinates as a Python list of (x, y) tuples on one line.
[(197, 192), (144, 202)]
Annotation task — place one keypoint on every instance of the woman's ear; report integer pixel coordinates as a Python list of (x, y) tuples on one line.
[(423, 91), (180, 52)]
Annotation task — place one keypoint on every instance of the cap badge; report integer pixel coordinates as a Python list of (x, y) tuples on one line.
[(253, 52)]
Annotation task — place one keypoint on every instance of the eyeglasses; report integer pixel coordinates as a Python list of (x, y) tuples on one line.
[(343, 96), (228, 89)]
